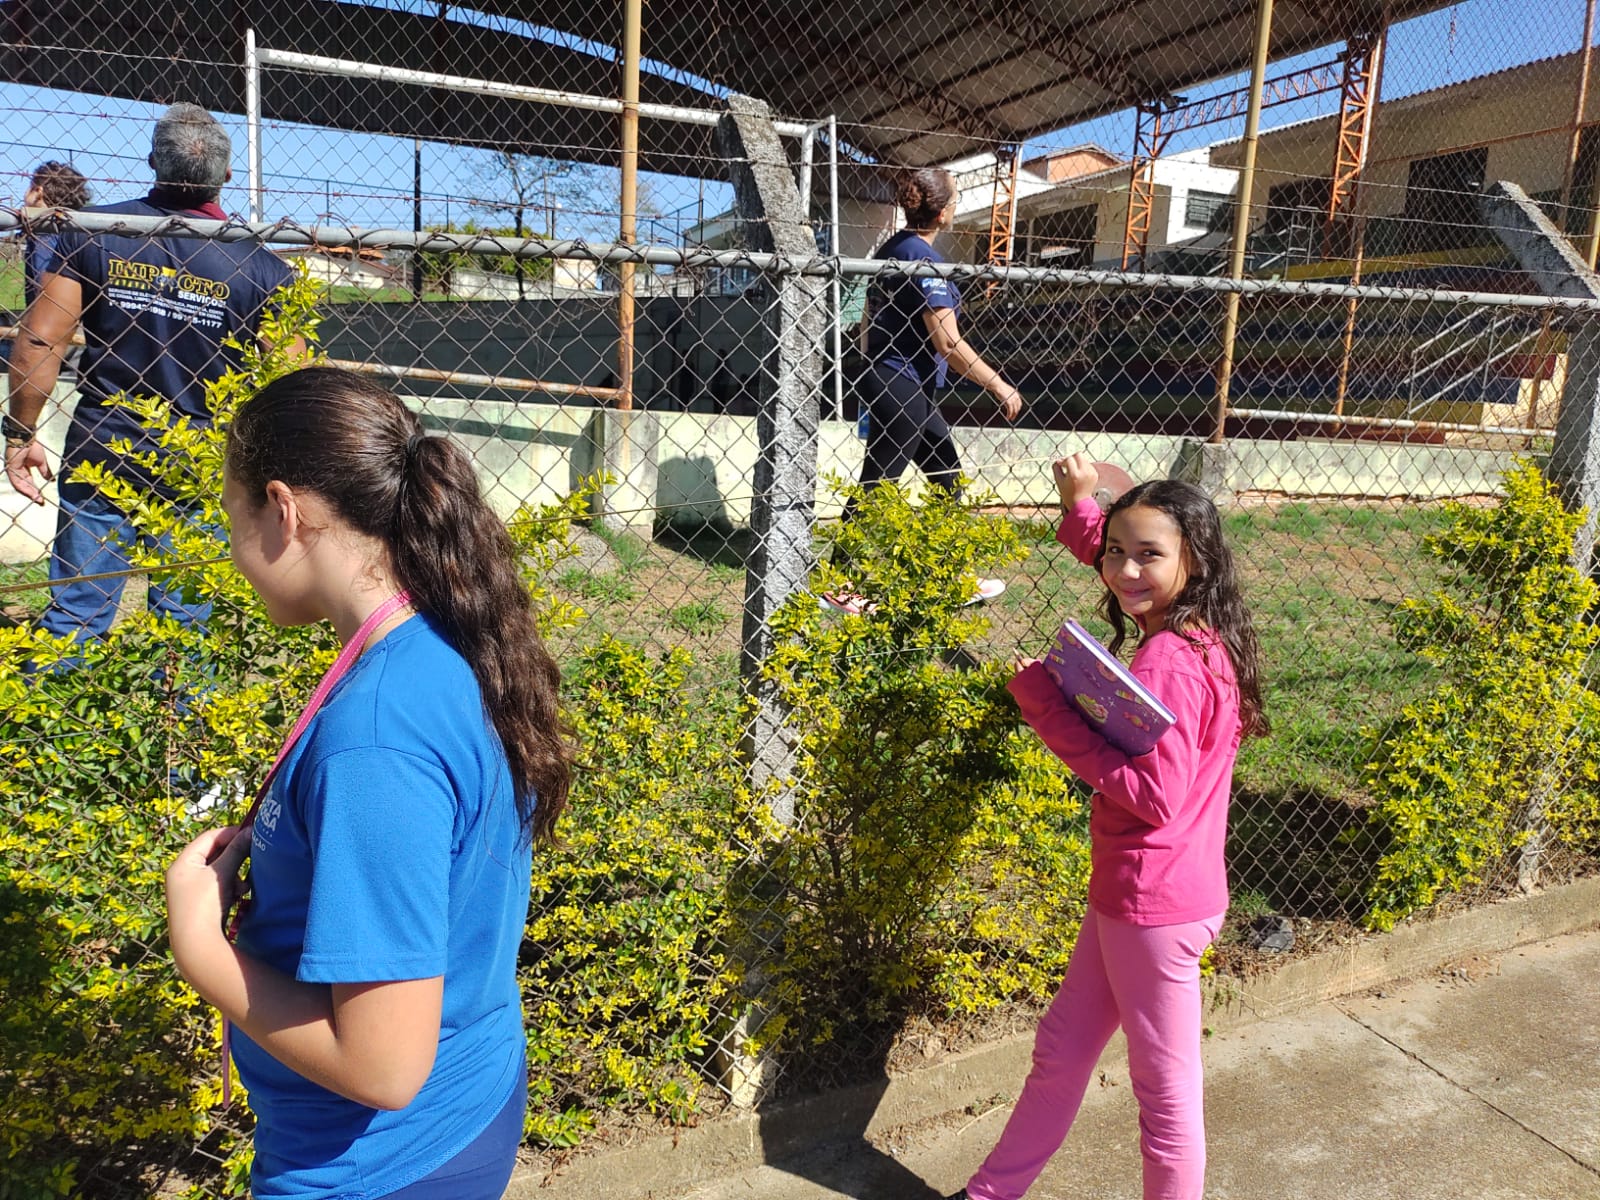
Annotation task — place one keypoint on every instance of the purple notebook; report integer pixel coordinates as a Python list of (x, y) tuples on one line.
[(1126, 713)]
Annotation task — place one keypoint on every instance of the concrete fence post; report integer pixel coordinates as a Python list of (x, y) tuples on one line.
[(767, 204), (1544, 252)]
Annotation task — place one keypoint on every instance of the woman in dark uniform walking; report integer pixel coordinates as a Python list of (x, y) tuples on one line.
[(912, 341)]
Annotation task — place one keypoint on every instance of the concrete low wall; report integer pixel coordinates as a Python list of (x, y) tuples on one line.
[(27, 529), (705, 464)]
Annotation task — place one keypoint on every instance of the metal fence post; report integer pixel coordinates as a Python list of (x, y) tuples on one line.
[(768, 207)]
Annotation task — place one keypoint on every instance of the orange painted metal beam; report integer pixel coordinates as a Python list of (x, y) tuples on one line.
[(1358, 96), (1150, 138), (1003, 208)]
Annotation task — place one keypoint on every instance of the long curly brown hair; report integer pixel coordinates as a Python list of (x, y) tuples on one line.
[(1211, 600), (352, 442)]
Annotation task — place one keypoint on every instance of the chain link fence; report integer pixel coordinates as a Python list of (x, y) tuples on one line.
[(750, 901)]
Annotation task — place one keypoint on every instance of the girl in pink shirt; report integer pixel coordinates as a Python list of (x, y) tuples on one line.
[(1157, 822)]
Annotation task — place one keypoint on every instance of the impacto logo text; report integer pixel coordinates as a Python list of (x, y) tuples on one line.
[(151, 277)]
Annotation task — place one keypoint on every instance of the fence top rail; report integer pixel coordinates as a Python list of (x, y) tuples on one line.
[(353, 69), (289, 233)]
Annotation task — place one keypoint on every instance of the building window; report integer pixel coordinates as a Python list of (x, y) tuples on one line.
[(1441, 209), (1201, 208), (1064, 239), (1292, 229)]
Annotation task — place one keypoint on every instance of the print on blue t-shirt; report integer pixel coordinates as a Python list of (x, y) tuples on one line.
[(155, 316), (896, 335), (389, 848)]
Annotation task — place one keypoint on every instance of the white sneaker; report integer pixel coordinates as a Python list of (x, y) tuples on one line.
[(217, 795), (987, 589)]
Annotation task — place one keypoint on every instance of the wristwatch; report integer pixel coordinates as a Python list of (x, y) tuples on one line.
[(16, 433)]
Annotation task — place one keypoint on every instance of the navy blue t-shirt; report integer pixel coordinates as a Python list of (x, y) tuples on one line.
[(155, 314), (896, 335), (37, 250)]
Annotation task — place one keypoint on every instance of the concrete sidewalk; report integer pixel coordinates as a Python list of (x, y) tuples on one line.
[(1479, 1082)]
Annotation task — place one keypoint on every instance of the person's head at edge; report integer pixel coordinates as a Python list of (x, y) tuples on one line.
[(343, 449), (57, 185), (191, 155), (927, 196)]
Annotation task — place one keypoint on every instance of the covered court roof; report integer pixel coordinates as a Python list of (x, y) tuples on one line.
[(911, 81)]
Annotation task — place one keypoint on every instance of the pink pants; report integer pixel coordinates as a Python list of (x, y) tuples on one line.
[(1145, 978)]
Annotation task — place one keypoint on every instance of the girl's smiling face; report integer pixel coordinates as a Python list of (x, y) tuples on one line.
[(1144, 565)]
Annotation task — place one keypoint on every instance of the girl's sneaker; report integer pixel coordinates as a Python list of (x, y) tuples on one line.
[(848, 603), (987, 589)]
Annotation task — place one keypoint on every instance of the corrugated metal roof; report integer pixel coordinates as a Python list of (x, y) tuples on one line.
[(912, 81)]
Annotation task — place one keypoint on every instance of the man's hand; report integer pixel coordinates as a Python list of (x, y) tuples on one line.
[(22, 460), (1076, 479)]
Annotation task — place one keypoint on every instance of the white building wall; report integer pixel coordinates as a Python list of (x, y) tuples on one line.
[(1174, 177), (1179, 174)]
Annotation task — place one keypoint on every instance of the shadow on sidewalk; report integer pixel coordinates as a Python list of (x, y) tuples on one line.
[(823, 1139)]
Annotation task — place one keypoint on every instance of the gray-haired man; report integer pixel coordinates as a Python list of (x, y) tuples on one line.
[(155, 313)]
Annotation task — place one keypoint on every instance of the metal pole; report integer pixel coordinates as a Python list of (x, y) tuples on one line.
[(252, 120), (833, 248), (416, 217), (1241, 214), (1358, 220), (384, 73), (808, 149), (1542, 347), (1578, 108), (805, 264), (1592, 249), (633, 15)]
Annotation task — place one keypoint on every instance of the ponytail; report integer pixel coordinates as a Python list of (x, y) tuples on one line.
[(353, 443), (453, 554)]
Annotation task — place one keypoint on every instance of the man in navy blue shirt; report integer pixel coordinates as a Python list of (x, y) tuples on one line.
[(156, 312)]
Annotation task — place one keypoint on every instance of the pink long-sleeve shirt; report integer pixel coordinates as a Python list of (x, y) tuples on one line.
[(1157, 822)]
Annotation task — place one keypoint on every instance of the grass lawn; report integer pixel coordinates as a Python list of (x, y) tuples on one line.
[(1321, 579), (11, 285), (18, 599)]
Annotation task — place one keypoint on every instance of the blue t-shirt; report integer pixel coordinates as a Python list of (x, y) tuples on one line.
[(389, 848), (896, 336), (155, 314)]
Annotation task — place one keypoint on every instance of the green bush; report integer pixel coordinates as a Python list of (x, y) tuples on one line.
[(939, 863), (625, 968), (939, 855), (1508, 740), (105, 750)]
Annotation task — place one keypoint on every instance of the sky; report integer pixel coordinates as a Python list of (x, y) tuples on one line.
[(348, 178)]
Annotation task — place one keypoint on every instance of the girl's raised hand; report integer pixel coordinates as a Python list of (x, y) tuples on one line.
[(202, 883), (1021, 663), (1075, 478)]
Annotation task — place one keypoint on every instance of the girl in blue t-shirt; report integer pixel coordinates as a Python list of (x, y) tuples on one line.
[(372, 988)]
